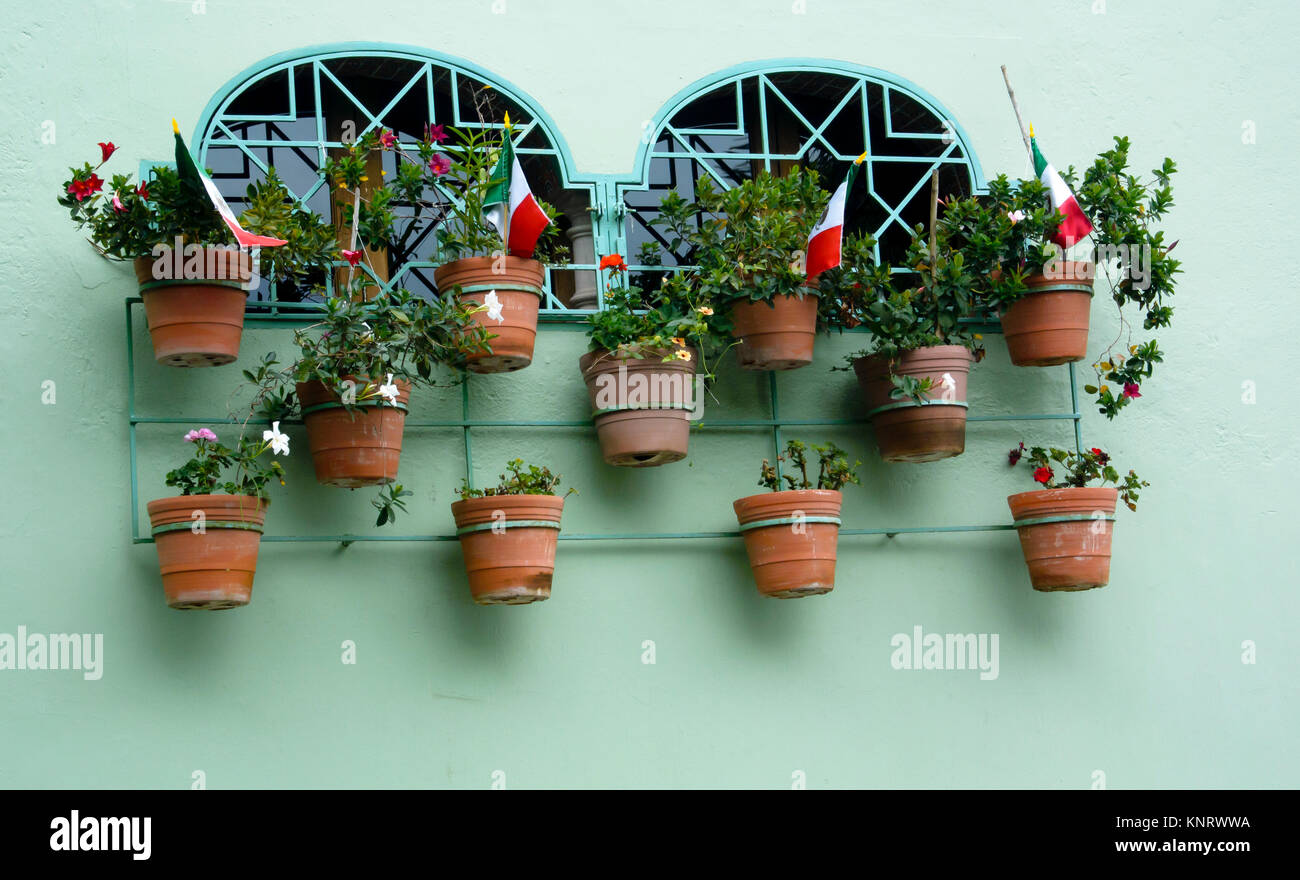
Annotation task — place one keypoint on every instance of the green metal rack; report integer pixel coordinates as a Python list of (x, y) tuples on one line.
[(284, 313)]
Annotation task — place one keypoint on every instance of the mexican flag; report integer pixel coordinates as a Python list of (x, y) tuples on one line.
[(201, 185), (827, 237), (512, 209), (1074, 223)]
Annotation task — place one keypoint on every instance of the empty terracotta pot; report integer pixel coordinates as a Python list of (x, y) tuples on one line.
[(790, 538), (207, 548), (359, 448), (1049, 325), (1065, 536), (195, 321), (508, 542), (905, 430), (518, 285), (641, 406), (777, 334)]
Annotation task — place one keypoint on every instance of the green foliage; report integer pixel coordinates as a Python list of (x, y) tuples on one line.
[(310, 242), (1125, 210), (634, 324), (747, 242), (388, 502), (201, 475), (834, 471), (521, 479), (1077, 470)]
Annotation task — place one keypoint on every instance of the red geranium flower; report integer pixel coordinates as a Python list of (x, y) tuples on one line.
[(353, 257), (88, 187), (1013, 457), (106, 150), (1043, 475), (1131, 389), (613, 261)]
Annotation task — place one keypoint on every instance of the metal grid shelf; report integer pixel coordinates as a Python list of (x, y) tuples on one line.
[(302, 313)]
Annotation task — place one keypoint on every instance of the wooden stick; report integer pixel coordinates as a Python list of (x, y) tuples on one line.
[(1016, 107), (934, 218)]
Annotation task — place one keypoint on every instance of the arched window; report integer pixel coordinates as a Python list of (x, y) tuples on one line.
[(816, 114), (292, 110)]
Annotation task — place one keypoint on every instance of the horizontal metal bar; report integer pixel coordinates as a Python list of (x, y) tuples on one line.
[(612, 536), (587, 423)]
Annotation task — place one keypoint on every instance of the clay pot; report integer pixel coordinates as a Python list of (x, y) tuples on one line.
[(513, 564), (518, 284), (359, 448), (195, 322), (1065, 536), (658, 431), (1049, 325), (211, 570), (777, 334), (906, 431), (794, 558)]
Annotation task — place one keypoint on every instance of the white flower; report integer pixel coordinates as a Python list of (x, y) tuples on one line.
[(493, 307), (369, 335), (947, 381), (279, 442), (388, 390), (1016, 217)]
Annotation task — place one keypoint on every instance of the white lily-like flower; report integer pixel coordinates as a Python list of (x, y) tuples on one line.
[(369, 335), (279, 442), (388, 390), (949, 385), (494, 306)]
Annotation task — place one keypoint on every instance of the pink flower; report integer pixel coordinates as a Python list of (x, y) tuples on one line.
[(106, 149), (439, 164), (117, 204), (1131, 389), (353, 257), (388, 140), (200, 434), (1016, 216), (434, 134)]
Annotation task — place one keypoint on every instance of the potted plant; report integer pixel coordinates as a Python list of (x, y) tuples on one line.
[(640, 369), (913, 377), (352, 378), (748, 245), (207, 537), (790, 534), (508, 535), (1065, 527), (193, 277), (1125, 210)]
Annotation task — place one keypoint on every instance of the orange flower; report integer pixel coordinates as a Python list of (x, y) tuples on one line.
[(704, 310), (613, 261), (677, 340)]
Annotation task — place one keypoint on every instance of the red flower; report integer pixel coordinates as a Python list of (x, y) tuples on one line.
[(117, 203), (1013, 457), (435, 134), (388, 139), (613, 261), (82, 188), (1102, 458), (1131, 389), (143, 191), (106, 150), (439, 164), (1043, 475), (353, 257)]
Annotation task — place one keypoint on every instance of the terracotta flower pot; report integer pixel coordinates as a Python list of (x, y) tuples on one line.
[(211, 569), (905, 430), (508, 542), (1065, 536), (777, 334), (1049, 325), (518, 285), (351, 449), (640, 406), (790, 538), (195, 322)]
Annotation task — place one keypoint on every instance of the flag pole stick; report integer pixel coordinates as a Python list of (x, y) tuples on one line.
[(1011, 93), (934, 218)]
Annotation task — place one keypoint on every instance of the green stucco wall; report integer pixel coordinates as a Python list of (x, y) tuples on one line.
[(1143, 680)]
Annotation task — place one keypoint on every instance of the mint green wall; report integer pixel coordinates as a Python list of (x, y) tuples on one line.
[(1142, 680)]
